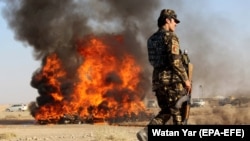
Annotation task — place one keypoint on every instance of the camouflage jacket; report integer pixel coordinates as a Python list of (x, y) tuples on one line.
[(165, 56)]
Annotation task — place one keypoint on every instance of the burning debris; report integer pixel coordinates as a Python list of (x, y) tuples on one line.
[(92, 65), (107, 87), (77, 119)]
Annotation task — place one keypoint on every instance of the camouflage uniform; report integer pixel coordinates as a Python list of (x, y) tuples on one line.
[(169, 74), (168, 77)]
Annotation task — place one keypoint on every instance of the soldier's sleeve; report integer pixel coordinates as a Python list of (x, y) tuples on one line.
[(175, 57)]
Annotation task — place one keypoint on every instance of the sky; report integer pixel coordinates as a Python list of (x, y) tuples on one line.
[(17, 66), (216, 34)]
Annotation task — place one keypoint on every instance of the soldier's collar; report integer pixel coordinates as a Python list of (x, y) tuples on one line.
[(164, 30)]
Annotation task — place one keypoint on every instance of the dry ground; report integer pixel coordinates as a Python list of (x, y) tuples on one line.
[(20, 126)]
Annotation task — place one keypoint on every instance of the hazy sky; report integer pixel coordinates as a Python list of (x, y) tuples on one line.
[(17, 66), (216, 33)]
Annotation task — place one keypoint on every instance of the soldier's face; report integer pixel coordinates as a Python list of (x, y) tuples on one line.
[(172, 25)]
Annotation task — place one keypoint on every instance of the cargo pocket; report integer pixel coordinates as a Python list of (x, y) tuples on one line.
[(164, 77)]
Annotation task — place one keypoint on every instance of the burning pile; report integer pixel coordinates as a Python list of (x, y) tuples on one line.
[(107, 87), (93, 64)]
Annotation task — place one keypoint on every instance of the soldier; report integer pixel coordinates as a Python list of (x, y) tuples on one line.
[(170, 79)]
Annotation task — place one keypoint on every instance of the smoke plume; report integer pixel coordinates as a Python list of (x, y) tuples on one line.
[(55, 25), (61, 26)]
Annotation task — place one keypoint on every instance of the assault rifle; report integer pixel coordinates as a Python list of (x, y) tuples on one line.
[(186, 98)]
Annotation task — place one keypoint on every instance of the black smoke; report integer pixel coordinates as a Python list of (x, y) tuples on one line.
[(211, 38), (54, 26)]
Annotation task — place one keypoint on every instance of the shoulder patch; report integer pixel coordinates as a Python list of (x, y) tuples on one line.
[(175, 49)]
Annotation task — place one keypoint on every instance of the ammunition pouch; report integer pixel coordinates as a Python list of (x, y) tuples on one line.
[(165, 77)]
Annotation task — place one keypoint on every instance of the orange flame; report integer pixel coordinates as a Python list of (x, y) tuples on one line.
[(108, 85)]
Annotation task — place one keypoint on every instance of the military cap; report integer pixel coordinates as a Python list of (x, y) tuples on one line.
[(170, 14)]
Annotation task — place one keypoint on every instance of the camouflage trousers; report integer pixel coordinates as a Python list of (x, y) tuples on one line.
[(167, 98)]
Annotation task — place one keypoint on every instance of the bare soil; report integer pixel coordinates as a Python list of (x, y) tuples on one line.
[(21, 126)]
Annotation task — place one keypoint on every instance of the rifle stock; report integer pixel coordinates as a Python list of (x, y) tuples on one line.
[(188, 105), (190, 71)]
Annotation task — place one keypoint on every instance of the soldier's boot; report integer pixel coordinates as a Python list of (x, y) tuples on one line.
[(142, 135)]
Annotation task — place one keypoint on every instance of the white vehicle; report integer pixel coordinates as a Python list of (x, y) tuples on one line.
[(17, 107), (197, 102)]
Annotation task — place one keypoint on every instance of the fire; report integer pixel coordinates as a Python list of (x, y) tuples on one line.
[(108, 84)]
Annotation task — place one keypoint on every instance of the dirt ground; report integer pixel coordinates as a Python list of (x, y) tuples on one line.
[(20, 126)]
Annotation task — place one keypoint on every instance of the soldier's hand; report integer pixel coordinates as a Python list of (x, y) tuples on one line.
[(188, 86)]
